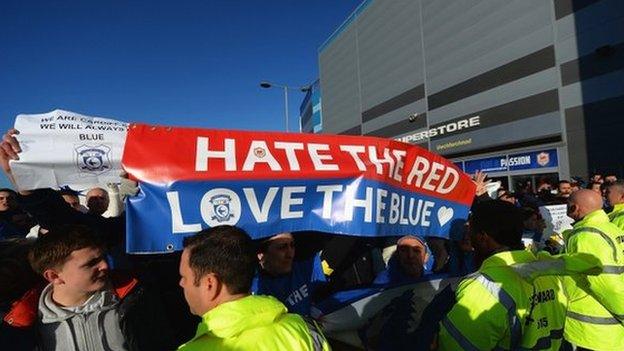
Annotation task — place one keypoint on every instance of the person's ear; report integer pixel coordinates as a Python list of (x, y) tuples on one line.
[(212, 285), (52, 276), (261, 261)]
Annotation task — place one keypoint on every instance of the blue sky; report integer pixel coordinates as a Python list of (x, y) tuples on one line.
[(184, 63)]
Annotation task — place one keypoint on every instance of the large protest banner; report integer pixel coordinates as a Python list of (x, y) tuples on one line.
[(66, 148), (269, 183)]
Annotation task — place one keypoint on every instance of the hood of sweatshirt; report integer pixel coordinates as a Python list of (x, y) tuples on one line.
[(51, 312)]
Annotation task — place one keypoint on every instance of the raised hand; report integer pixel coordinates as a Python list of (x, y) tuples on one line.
[(481, 183), (9, 149)]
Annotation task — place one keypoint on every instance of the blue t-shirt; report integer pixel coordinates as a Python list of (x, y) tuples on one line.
[(293, 289)]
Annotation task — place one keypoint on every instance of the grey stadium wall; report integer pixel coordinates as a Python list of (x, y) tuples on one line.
[(533, 72)]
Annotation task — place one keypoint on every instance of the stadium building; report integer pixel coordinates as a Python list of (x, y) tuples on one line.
[(523, 89)]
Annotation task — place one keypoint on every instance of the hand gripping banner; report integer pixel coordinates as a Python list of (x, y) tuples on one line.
[(268, 183)]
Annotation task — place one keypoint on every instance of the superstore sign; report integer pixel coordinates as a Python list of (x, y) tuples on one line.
[(444, 129)]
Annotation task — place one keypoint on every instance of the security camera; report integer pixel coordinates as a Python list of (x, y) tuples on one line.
[(412, 117)]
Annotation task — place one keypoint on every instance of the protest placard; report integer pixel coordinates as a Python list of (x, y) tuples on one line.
[(556, 218), (65, 148)]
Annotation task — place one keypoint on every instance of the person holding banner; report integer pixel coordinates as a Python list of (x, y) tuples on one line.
[(51, 211), (292, 282), (411, 260), (496, 307), (216, 270), (97, 201)]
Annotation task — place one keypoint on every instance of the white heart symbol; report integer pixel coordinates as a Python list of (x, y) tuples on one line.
[(444, 215)]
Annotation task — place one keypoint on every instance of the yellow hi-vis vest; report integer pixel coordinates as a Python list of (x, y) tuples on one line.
[(497, 309), (617, 216), (596, 307), (256, 323)]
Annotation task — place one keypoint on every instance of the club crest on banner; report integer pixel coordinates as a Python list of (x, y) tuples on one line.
[(543, 158), (224, 207), (221, 208), (93, 159), (259, 152)]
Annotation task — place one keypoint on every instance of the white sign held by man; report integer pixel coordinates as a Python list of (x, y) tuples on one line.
[(556, 218), (65, 148)]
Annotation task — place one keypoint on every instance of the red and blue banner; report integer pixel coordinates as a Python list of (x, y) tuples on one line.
[(268, 183)]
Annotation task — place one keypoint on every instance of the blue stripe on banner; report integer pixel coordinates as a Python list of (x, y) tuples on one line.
[(160, 216)]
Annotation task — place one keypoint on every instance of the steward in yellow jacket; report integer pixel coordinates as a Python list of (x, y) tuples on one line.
[(216, 268), (499, 306), (596, 310), (255, 322)]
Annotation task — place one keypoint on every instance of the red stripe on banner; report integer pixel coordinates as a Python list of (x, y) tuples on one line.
[(158, 154)]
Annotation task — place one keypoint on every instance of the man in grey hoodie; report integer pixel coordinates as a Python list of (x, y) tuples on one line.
[(84, 307)]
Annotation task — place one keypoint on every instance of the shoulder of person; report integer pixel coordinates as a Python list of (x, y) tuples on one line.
[(124, 283)]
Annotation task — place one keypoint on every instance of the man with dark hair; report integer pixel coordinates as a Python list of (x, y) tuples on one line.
[(564, 189), (496, 307), (14, 222), (533, 226), (83, 307), (595, 187), (7, 199), (216, 269), (614, 193), (595, 318), (291, 281), (596, 177), (610, 178)]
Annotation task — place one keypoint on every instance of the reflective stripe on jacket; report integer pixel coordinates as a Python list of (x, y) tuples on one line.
[(596, 309), (255, 322), (497, 309)]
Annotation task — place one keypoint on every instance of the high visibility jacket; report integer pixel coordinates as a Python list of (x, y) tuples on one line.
[(497, 308), (617, 216), (255, 322), (596, 308)]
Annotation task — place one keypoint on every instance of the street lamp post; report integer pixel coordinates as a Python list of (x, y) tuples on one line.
[(266, 85)]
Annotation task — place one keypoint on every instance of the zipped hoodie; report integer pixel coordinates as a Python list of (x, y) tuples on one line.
[(92, 326)]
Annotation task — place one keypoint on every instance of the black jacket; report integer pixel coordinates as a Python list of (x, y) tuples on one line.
[(51, 211)]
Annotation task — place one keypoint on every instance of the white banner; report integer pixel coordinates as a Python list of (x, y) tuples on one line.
[(556, 218), (65, 148)]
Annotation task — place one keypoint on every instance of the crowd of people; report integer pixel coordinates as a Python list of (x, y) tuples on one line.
[(67, 284)]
